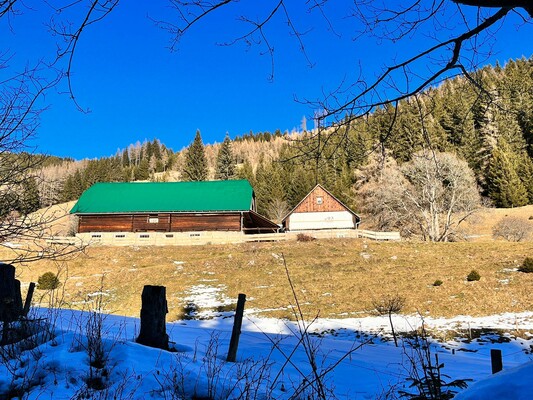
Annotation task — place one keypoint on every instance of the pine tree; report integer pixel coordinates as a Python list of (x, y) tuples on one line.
[(142, 172), (225, 161), (29, 201), (125, 159), (271, 191), (505, 187), (525, 173), (195, 168), (246, 171)]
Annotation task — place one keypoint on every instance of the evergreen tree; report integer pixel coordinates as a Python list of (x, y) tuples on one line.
[(29, 200), (195, 168), (246, 171), (525, 173), (225, 161), (301, 182), (505, 187), (142, 172), (125, 159)]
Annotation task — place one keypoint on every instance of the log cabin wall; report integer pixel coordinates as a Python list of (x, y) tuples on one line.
[(105, 223), (319, 201), (151, 223), (180, 222), (205, 222)]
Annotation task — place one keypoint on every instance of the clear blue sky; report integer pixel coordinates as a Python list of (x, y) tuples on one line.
[(137, 89)]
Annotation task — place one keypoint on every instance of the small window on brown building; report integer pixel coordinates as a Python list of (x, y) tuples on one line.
[(319, 200), (153, 219)]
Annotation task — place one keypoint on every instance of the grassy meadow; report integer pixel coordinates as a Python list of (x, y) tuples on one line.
[(336, 278)]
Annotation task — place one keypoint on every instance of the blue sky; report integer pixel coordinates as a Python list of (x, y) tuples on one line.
[(136, 88)]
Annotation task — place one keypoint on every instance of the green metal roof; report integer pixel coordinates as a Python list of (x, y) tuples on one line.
[(207, 196)]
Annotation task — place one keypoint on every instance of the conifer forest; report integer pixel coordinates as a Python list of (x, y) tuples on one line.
[(487, 129)]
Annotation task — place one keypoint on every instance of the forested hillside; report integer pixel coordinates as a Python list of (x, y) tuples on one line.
[(489, 126)]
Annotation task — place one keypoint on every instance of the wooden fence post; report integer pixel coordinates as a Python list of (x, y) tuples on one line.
[(10, 299), (237, 324), (153, 317), (496, 360), (29, 296)]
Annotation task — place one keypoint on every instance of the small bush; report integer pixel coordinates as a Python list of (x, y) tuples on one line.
[(302, 237), (512, 229), (473, 276), (438, 282), (48, 281), (527, 265)]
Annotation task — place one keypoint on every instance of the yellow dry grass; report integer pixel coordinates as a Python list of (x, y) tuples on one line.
[(338, 278), (481, 223)]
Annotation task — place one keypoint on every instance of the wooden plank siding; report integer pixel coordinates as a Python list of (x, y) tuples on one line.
[(178, 222), (105, 223), (141, 223), (320, 210), (205, 222), (311, 204)]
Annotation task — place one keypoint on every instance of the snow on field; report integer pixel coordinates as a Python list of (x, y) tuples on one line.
[(271, 359)]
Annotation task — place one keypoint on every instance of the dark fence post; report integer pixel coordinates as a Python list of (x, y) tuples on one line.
[(496, 360), (153, 317), (10, 299), (237, 324), (29, 296)]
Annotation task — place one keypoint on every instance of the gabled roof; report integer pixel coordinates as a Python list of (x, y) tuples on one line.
[(142, 197), (358, 218)]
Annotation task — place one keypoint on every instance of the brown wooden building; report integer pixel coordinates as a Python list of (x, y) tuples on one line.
[(320, 210), (170, 207)]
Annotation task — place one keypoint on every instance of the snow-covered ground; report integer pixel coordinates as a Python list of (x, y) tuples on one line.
[(272, 362)]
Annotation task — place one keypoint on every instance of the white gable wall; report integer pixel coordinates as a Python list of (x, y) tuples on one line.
[(321, 220)]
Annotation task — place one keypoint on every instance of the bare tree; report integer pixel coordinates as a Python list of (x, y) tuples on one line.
[(431, 196), (388, 306), (512, 229), (459, 34), (24, 233)]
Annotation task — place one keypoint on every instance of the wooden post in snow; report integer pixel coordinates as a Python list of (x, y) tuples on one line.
[(153, 317), (496, 360), (10, 299), (29, 296), (237, 324)]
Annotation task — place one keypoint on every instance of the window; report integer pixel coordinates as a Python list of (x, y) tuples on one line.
[(153, 219), (144, 236), (96, 236), (169, 235), (120, 236), (319, 200), (194, 234)]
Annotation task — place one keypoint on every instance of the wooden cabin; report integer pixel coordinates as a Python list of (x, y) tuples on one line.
[(170, 207), (320, 210)]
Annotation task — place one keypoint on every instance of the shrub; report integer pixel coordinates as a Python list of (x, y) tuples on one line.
[(527, 265), (513, 229), (48, 281), (473, 276), (438, 282), (302, 237)]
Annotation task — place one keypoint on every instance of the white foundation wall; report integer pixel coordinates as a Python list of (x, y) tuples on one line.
[(321, 220), (160, 238)]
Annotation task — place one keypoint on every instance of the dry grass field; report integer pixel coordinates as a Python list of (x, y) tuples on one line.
[(337, 278)]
